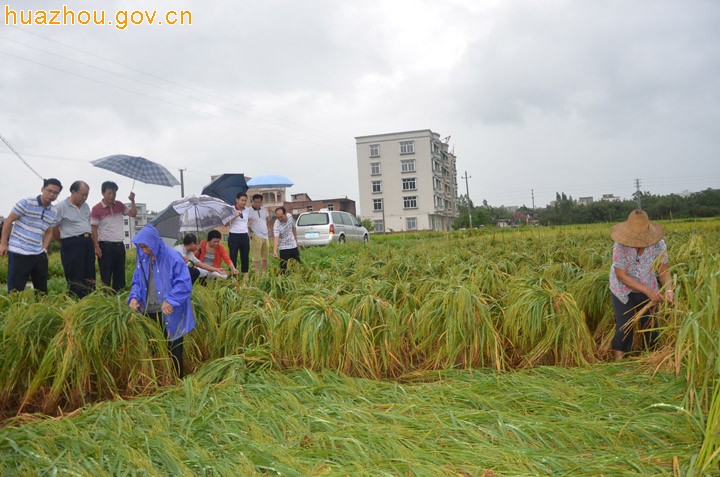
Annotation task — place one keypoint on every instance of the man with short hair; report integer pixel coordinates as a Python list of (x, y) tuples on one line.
[(285, 238), (26, 236), (238, 238), (106, 220), (77, 251), (199, 269), (258, 226)]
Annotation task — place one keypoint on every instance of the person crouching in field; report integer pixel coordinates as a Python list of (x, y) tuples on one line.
[(638, 246), (161, 289)]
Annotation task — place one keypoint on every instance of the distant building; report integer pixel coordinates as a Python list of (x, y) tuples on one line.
[(132, 225), (408, 181), (303, 203), (610, 198), (585, 200)]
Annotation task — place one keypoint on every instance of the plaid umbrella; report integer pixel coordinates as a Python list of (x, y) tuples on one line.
[(137, 168), (192, 214)]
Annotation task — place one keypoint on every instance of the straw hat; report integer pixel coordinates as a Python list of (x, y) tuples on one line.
[(637, 231)]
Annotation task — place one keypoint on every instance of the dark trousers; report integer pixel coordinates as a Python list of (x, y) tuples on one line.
[(287, 255), (112, 265), (240, 242), (78, 260), (624, 312), (174, 346), (21, 267), (194, 274)]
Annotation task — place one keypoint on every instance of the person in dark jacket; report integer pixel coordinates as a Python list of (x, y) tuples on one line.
[(161, 289)]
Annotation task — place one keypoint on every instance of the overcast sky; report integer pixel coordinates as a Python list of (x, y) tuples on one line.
[(571, 96)]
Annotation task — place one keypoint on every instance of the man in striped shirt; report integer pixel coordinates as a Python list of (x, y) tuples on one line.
[(26, 235), (285, 238)]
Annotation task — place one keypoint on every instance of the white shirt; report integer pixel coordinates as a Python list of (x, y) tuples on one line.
[(180, 248), (73, 220), (239, 225), (258, 221)]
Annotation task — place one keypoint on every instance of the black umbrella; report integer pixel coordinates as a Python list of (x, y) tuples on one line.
[(226, 187)]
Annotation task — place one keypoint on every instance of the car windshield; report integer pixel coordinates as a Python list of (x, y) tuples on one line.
[(313, 219)]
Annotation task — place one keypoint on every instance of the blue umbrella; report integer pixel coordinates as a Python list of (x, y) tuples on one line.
[(269, 180), (226, 187), (137, 168)]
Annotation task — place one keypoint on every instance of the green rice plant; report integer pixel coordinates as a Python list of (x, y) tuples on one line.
[(393, 351), (103, 349), (246, 327), (697, 348), (591, 292), (316, 333), (455, 327), (544, 325), (27, 330)]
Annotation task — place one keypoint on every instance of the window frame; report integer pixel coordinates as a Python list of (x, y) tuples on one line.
[(407, 147), (408, 202), (374, 150), (372, 168), (375, 203), (407, 162)]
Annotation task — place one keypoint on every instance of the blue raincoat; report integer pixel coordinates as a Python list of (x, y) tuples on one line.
[(172, 281)]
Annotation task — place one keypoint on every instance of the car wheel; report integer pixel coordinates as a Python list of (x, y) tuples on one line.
[(366, 239), (341, 239)]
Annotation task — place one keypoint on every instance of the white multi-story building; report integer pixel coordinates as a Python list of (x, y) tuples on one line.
[(408, 181), (132, 225)]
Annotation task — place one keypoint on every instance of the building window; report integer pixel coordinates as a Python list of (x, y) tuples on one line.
[(408, 184), (330, 207), (411, 223), (407, 147), (376, 187), (379, 225), (410, 202), (377, 204), (127, 234), (407, 165), (439, 202), (125, 221), (374, 168), (436, 166), (437, 183), (374, 150)]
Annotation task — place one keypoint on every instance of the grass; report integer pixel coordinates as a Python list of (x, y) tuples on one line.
[(417, 310), (611, 420)]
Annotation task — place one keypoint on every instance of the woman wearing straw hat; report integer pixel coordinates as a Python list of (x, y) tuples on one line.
[(633, 282)]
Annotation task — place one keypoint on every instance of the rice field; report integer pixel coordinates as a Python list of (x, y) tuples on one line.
[(465, 353)]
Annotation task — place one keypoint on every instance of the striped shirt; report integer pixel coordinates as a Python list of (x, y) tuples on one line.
[(284, 231), (26, 237)]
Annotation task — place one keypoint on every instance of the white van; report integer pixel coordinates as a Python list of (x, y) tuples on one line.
[(325, 226)]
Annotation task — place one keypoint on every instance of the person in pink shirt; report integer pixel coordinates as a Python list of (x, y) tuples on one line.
[(108, 233), (638, 251)]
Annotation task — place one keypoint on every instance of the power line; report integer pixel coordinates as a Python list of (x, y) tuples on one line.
[(288, 124), (19, 156), (168, 102)]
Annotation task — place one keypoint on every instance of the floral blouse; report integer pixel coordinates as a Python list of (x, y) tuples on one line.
[(639, 267)]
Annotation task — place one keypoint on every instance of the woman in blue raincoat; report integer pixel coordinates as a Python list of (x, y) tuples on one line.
[(161, 289)]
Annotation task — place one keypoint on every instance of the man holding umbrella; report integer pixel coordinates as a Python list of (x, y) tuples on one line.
[(106, 219)]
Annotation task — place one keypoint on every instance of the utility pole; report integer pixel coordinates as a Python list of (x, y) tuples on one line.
[(638, 195), (467, 193), (182, 182), (532, 194)]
